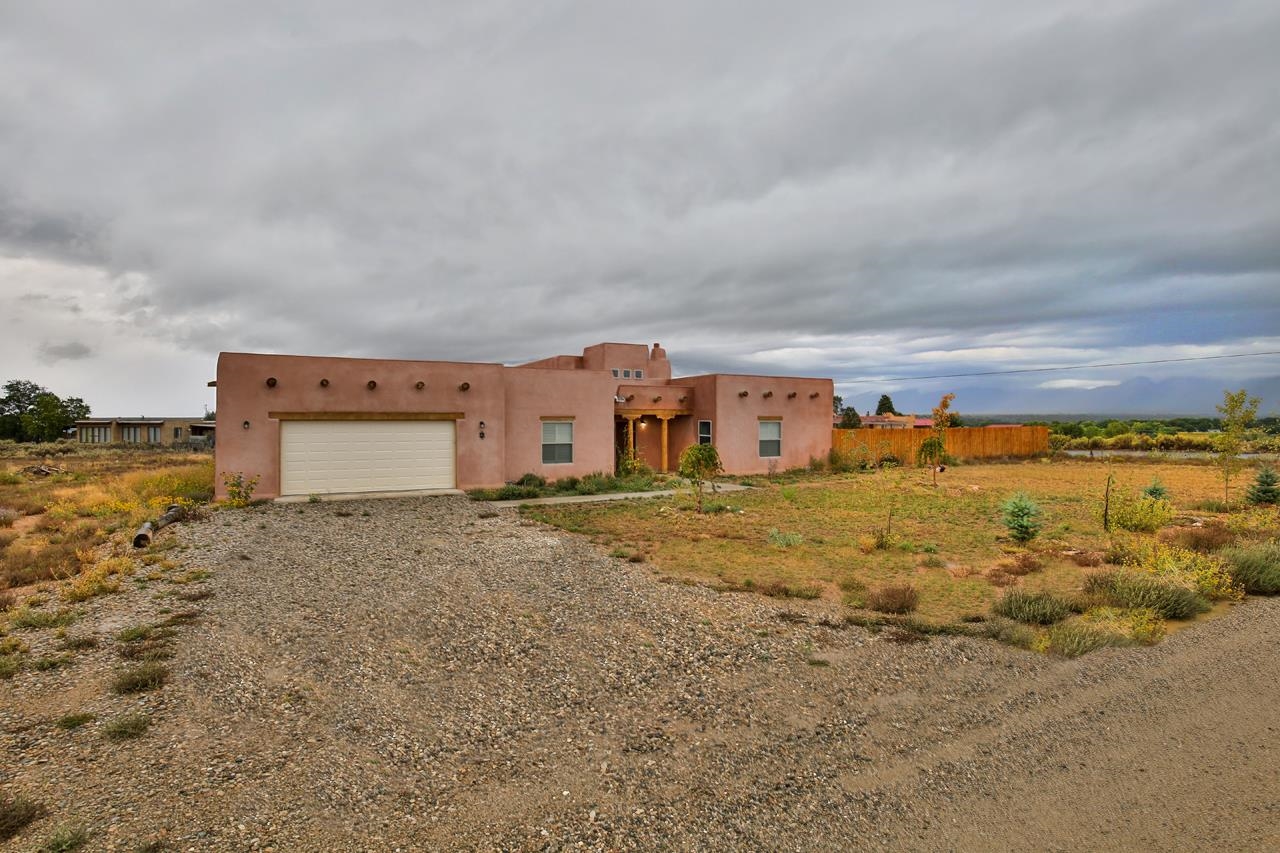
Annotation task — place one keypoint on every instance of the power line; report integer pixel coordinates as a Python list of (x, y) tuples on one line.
[(1054, 369)]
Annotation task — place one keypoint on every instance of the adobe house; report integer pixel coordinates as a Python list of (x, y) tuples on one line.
[(317, 425)]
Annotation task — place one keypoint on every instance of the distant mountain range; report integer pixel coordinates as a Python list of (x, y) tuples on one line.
[(1142, 397)]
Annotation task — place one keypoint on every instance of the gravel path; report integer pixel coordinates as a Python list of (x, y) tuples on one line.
[(407, 674)]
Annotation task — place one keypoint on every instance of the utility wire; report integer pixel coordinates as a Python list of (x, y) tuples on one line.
[(1053, 369)]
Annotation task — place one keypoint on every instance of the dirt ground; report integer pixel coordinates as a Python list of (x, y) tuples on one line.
[(421, 675)]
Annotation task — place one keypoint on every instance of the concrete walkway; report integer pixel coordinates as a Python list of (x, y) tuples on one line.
[(613, 496)]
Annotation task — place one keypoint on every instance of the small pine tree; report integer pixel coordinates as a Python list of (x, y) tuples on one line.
[(1022, 517), (1156, 490), (1265, 488), (885, 406)]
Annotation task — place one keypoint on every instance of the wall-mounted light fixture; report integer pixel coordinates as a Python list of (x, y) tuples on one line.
[(245, 424), (420, 385), (372, 384), (791, 396), (271, 382), (743, 393), (465, 386), (813, 395), (324, 383), (482, 430), (768, 394)]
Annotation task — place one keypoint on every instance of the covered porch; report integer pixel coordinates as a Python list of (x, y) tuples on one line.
[(645, 418)]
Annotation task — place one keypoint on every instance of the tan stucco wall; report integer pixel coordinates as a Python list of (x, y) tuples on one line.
[(584, 395), (243, 395), (806, 430)]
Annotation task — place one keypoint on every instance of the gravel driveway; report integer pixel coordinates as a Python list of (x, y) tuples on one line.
[(409, 674)]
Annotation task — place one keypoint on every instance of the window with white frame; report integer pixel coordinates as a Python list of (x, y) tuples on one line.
[(153, 435), (557, 442), (95, 434), (616, 373), (626, 373), (131, 434), (177, 433), (639, 374), (704, 432), (770, 439)]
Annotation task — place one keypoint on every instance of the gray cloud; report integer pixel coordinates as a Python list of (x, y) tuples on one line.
[(51, 353), (497, 181)]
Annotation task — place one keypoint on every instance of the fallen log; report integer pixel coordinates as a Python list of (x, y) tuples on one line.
[(43, 470), (172, 513)]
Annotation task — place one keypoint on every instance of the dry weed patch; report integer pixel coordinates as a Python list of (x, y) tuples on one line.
[(831, 534)]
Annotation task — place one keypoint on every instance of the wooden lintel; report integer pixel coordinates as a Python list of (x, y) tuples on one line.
[(366, 416), (663, 413)]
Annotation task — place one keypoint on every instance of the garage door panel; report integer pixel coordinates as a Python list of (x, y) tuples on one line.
[(361, 456)]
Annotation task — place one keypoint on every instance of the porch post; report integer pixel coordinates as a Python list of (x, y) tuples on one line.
[(631, 433), (664, 418)]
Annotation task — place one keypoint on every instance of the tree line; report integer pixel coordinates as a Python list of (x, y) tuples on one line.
[(1154, 427), (31, 412)]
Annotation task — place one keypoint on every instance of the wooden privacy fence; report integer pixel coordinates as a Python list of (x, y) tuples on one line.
[(962, 442)]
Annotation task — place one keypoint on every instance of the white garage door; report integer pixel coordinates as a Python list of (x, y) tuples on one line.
[(322, 457)]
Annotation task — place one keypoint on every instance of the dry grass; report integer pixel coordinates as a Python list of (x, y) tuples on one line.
[(99, 494), (15, 813), (894, 598), (126, 727), (837, 519), (140, 679)]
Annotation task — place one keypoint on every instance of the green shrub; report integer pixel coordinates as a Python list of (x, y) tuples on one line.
[(1212, 505), (65, 839), (531, 480), (1156, 491), (239, 488), (567, 484), (1034, 608), (1021, 517), (10, 665), (778, 589), (1133, 590), (25, 617), (1141, 515), (1255, 567), (1009, 631), (894, 598), (854, 592), (74, 721), (784, 540), (846, 461), (1206, 574), (1072, 639), (1265, 488)]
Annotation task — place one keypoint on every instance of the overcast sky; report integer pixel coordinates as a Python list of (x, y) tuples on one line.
[(841, 189)]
